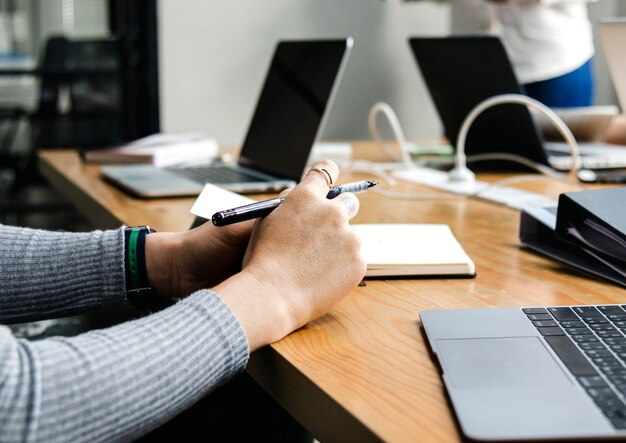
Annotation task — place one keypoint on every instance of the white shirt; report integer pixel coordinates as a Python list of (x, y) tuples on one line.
[(544, 39)]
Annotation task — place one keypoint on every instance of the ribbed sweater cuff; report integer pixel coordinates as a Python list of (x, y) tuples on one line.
[(53, 274)]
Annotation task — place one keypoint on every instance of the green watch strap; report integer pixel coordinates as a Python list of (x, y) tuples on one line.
[(133, 266)]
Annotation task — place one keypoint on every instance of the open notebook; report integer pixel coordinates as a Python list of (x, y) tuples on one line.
[(412, 250)]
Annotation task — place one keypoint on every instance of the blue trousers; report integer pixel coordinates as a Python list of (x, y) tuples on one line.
[(566, 91)]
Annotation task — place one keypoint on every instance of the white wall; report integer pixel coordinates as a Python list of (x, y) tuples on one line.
[(214, 55)]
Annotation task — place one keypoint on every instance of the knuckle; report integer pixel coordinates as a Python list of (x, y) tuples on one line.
[(286, 192), (336, 215), (306, 193), (355, 240), (328, 164), (362, 270), (357, 257)]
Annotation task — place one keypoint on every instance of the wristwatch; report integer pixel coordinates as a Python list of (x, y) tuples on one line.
[(138, 290)]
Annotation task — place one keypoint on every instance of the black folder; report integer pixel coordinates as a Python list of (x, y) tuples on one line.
[(595, 221), (588, 232)]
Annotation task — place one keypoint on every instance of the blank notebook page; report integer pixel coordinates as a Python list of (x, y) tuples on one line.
[(412, 249)]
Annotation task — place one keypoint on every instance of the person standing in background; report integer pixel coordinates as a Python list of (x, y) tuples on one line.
[(549, 42)]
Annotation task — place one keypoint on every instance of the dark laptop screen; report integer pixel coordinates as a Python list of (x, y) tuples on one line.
[(291, 106), (460, 72)]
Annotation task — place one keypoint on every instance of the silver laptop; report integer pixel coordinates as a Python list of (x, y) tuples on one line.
[(462, 71), (289, 117), (533, 373)]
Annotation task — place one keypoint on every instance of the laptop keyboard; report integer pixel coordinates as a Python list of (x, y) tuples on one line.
[(215, 174), (591, 342)]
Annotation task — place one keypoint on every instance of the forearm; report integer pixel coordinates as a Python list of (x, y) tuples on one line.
[(121, 382), (51, 274)]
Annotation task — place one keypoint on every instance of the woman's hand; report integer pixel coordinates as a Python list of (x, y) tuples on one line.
[(301, 260), (181, 263)]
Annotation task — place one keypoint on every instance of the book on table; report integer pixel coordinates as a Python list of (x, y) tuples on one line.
[(161, 150), (393, 249)]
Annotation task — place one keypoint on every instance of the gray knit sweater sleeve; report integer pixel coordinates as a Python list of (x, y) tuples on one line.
[(113, 384), (53, 274)]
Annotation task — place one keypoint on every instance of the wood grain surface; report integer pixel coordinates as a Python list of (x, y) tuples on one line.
[(363, 372)]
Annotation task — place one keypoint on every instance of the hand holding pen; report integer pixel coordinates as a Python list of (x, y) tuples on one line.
[(299, 263), (263, 208)]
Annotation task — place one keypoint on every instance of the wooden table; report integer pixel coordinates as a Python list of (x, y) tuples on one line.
[(363, 372)]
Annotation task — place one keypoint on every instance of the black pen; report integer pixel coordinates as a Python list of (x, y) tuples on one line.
[(263, 208)]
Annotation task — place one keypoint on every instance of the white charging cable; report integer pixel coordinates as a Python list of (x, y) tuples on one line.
[(460, 171), (394, 123)]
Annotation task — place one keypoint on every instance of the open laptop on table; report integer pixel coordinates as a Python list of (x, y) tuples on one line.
[(460, 72), (289, 117), (533, 373)]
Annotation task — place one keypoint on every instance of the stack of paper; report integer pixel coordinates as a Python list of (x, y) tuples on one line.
[(160, 150)]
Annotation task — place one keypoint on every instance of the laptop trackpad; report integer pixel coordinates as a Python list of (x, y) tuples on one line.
[(512, 362)]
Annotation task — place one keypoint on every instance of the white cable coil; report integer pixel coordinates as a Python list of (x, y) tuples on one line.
[(395, 128), (460, 173)]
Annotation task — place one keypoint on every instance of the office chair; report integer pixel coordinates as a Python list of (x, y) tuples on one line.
[(79, 106), (81, 94)]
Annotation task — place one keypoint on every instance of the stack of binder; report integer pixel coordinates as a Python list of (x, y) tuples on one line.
[(587, 231)]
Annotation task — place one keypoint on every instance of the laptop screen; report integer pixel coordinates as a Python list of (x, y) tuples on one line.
[(292, 105), (463, 71)]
